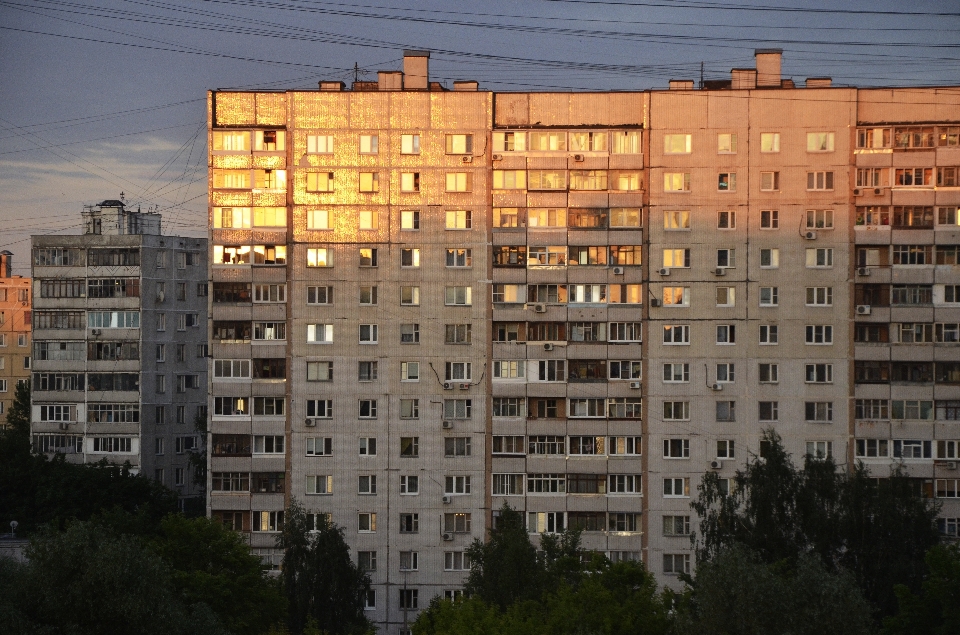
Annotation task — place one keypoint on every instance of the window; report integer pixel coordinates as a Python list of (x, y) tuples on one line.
[(676, 373), (410, 182), (769, 258), (676, 488), (677, 143), (409, 371), (676, 334), (726, 334), (367, 484), (624, 484), (768, 410), (819, 258), (769, 181), (369, 333), (457, 446), (368, 446), (726, 296), (319, 484), (619, 369), (409, 408), (319, 371), (769, 296), (319, 446), (409, 447), (456, 485), (459, 219), (320, 182), (819, 373), (726, 373), (458, 296), (726, 411), (769, 142), (819, 296), (625, 142), (725, 449), (368, 409), (819, 181), (676, 258), (676, 181), (626, 332), (456, 560), (457, 523), (509, 179), (582, 180), (673, 220), (911, 409), (727, 182), (366, 522), (726, 258), (676, 448), (769, 219), (820, 142), (408, 562), (459, 181), (369, 144), (819, 411), (457, 408), (369, 182), (768, 373), (548, 141), (820, 218), (320, 257), (819, 334), (509, 141), (726, 220), (367, 371), (459, 257)]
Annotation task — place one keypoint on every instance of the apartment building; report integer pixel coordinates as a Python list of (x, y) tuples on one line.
[(428, 302), (14, 333), (120, 353)]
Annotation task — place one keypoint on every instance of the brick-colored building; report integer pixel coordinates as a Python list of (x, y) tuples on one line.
[(428, 302), (14, 333)]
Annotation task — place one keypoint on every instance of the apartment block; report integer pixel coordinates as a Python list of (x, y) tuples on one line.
[(15, 316), (120, 346), (429, 302)]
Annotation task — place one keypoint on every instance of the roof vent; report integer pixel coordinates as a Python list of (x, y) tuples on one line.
[(743, 78), (332, 86), (819, 82), (681, 84), (466, 85)]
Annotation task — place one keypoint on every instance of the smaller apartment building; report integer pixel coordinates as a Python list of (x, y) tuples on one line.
[(15, 315), (119, 347)]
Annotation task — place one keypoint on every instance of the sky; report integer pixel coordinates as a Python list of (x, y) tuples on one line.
[(103, 97)]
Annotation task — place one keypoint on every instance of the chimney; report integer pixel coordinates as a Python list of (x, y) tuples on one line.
[(389, 80), (743, 79), (681, 84), (416, 74), (768, 67), (6, 264)]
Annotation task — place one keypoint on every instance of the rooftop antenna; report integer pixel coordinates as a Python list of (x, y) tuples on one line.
[(701, 75), (356, 72)]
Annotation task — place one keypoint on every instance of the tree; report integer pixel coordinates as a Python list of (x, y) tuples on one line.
[(936, 609), (737, 592), (320, 581), (505, 569), (877, 531), (213, 565), (87, 580)]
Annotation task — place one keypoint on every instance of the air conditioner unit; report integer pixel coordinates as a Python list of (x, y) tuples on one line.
[(863, 271), (878, 191), (64, 425), (952, 465), (654, 302), (810, 235), (539, 308), (464, 386), (716, 387), (497, 157), (719, 271), (97, 332), (447, 425), (716, 465), (664, 272), (548, 347), (863, 309), (447, 500), (160, 296), (448, 536), (634, 384), (448, 385), (467, 159), (310, 423), (857, 192), (618, 271), (578, 157)]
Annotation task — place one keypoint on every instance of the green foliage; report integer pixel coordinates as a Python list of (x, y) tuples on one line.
[(324, 588), (89, 580), (36, 491), (877, 531), (505, 569), (737, 592), (213, 565), (936, 609), (609, 599)]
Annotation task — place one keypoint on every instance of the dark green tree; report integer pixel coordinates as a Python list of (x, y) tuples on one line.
[(324, 588), (87, 580), (935, 610), (506, 569), (737, 592), (878, 531), (214, 565)]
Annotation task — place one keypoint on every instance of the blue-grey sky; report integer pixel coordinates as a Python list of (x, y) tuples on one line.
[(103, 96)]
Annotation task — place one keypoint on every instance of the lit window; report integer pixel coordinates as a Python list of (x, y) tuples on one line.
[(676, 181), (410, 144), (320, 182), (769, 142), (677, 143), (369, 144), (819, 142)]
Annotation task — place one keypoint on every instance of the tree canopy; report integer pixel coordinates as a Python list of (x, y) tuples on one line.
[(878, 530)]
